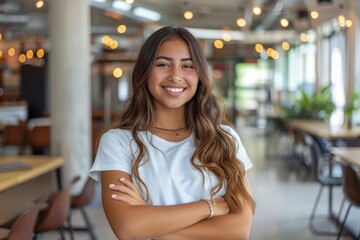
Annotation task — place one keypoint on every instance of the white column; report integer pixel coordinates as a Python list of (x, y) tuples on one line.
[(70, 87), (352, 49)]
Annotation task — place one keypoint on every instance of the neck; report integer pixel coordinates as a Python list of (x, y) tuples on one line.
[(170, 120)]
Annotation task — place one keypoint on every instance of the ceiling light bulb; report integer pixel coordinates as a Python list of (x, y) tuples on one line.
[(314, 14), (241, 22), (40, 53), (30, 54), (348, 23), (121, 28), (257, 10), (341, 20), (285, 46), (11, 52), (303, 37), (39, 4), (284, 22), (188, 15), (218, 44), (259, 47), (118, 72)]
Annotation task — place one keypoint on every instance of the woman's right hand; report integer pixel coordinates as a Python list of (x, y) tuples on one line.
[(220, 206)]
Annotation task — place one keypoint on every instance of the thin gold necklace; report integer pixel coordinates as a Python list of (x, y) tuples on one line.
[(176, 131)]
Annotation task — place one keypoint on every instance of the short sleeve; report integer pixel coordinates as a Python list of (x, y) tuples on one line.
[(241, 151), (113, 153)]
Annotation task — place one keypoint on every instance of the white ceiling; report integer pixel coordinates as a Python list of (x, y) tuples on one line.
[(208, 14)]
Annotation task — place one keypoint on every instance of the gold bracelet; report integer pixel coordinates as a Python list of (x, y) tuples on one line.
[(211, 208)]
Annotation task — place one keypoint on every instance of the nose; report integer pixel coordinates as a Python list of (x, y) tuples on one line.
[(175, 75)]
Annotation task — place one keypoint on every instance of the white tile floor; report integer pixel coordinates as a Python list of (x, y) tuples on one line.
[(284, 203)]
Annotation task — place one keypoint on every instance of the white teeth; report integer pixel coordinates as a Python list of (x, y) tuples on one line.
[(174, 90)]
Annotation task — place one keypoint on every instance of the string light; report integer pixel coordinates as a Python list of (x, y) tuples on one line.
[(314, 14), (40, 53), (121, 28), (11, 52), (118, 72), (341, 20), (241, 22), (218, 44), (30, 54), (284, 22), (188, 15), (257, 10), (39, 4), (285, 45), (259, 47)]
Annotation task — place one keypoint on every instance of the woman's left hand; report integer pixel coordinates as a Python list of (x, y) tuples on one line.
[(127, 192)]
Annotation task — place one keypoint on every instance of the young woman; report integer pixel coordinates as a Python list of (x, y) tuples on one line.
[(171, 167)]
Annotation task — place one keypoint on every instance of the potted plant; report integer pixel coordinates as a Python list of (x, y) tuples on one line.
[(318, 105), (352, 107)]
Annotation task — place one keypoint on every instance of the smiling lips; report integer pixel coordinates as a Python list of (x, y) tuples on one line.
[(174, 90)]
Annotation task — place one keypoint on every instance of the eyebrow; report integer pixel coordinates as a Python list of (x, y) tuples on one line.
[(170, 59)]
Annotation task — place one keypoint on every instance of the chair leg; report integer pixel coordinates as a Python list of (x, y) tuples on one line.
[(72, 237), (341, 207), (312, 217), (343, 223), (36, 236), (89, 225)]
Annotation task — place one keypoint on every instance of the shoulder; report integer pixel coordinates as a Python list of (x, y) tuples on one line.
[(116, 135), (228, 129)]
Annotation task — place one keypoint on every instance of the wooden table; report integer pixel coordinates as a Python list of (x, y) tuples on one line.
[(20, 188), (350, 155), (324, 130)]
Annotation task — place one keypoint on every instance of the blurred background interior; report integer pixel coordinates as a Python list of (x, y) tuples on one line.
[(287, 71)]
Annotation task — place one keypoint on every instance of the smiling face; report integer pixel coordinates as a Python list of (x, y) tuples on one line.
[(173, 79)]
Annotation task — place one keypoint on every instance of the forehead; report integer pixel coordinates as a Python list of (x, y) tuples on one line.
[(175, 47)]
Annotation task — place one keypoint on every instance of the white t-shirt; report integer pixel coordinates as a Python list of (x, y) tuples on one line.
[(168, 173)]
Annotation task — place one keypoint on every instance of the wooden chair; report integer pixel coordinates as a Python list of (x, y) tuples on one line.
[(15, 135), (38, 139), (351, 188), (56, 214), (22, 227), (322, 168), (80, 202)]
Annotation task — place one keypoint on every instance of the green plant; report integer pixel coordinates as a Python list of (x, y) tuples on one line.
[(318, 105), (353, 106)]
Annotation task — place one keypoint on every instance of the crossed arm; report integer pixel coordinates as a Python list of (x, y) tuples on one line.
[(130, 217)]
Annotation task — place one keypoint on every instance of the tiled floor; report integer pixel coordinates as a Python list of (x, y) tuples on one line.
[(283, 201)]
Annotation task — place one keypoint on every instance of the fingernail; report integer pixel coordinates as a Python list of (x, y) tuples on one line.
[(112, 185), (122, 179), (114, 196)]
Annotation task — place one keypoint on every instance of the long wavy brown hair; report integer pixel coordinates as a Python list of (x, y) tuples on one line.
[(215, 149)]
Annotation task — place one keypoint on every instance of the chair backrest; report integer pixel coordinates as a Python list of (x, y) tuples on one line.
[(23, 226), (351, 184), (15, 134), (85, 196), (39, 137), (321, 159), (54, 216)]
